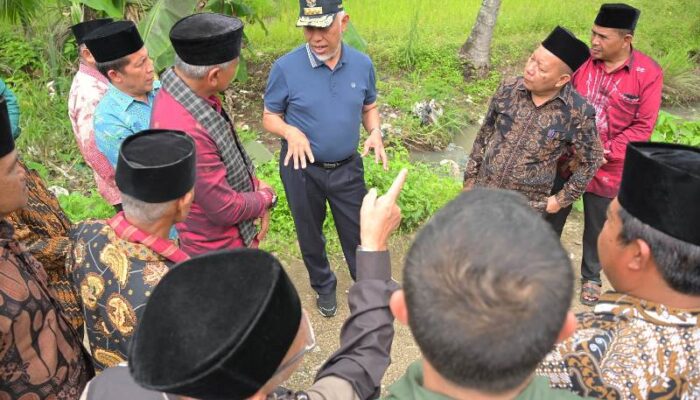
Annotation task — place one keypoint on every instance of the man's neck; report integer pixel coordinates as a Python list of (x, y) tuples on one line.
[(544, 97), (618, 60), (333, 61), (160, 228), (195, 85), (656, 290), (142, 97), (434, 382)]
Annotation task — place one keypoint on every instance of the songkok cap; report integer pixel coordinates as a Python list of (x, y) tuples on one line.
[(661, 187), (113, 41), (7, 143), (617, 15), (84, 28), (318, 13), (563, 44), (217, 326), (207, 38), (156, 165)]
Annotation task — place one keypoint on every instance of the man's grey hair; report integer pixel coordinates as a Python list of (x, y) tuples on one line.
[(197, 71), (143, 211)]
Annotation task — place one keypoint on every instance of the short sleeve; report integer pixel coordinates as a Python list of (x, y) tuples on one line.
[(371, 95), (277, 91)]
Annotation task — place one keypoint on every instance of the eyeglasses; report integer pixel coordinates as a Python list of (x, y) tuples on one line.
[(310, 345)]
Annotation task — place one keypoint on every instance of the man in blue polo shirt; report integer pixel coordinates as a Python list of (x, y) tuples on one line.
[(317, 95)]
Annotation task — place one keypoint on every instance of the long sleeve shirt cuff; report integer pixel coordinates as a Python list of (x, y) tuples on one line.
[(373, 265)]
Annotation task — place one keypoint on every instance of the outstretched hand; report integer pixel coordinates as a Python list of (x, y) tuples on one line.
[(380, 216)]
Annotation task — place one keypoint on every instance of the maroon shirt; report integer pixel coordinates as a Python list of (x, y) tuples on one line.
[(627, 103), (217, 209)]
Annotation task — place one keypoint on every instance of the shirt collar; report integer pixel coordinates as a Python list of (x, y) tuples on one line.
[(621, 304), (564, 93), (88, 70), (315, 62), (627, 65), (123, 100)]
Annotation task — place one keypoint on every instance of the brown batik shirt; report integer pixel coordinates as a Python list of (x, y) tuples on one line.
[(628, 348), (42, 227), (518, 145), (41, 355)]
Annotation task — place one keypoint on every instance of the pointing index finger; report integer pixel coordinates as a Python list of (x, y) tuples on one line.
[(395, 189)]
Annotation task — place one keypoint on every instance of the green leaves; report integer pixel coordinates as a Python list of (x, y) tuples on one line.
[(353, 38), (155, 28), (113, 8), (673, 129)]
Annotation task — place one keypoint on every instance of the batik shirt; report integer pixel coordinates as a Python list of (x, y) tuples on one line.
[(518, 146), (42, 227), (119, 116), (41, 355), (628, 348), (86, 91), (115, 277)]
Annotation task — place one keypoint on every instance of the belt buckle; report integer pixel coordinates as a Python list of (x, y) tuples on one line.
[(330, 165)]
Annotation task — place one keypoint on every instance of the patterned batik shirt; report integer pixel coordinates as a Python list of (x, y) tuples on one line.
[(518, 145), (115, 277), (628, 348), (41, 355), (42, 227)]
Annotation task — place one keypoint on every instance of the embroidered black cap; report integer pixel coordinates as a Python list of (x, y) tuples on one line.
[(318, 13)]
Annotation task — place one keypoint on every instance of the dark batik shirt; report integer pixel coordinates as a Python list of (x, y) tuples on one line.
[(518, 146), (41, 355), (629, 348), (42, 227), (115, 278)]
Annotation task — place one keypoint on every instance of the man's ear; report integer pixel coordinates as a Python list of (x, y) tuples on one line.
[(397, 304), (563, 80), (568, 328), (344, 21), (114, 76), (213, 76), (641, 255)]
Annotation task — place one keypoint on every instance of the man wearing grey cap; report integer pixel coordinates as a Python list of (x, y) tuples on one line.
[(317, 95)]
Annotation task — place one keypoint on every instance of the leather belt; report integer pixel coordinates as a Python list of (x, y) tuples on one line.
[(332, 164)]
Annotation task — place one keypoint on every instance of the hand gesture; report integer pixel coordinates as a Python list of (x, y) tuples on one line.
[(379, 217), (374, 141), (298, 147)]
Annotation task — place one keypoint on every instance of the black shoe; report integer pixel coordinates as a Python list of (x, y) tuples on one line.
[(327, 304)]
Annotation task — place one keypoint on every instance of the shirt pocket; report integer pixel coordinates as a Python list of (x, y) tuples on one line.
[(623, 110)]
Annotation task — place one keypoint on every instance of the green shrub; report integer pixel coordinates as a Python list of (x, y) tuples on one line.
[(673, 129), (79, 207)]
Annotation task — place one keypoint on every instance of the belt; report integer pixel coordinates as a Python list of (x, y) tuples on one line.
[(331, 164)]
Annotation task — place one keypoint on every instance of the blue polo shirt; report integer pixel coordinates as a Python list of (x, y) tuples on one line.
[(325, 104)]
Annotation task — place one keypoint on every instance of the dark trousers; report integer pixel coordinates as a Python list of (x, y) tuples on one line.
[(594, 213), (307, 192), (558, 219)]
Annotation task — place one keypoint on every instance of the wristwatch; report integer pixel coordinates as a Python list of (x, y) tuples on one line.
[(274, 201)]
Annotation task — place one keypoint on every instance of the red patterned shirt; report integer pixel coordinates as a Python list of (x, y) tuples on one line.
[(86, 91), (627, 103)]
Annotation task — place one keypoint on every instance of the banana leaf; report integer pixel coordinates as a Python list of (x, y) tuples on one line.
[(155, 27), (113, 8)]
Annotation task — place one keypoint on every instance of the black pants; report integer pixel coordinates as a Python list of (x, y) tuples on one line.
[(307, 192), (558, 219), (594, 210)]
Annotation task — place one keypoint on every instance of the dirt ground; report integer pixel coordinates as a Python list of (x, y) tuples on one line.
[(404, 350)]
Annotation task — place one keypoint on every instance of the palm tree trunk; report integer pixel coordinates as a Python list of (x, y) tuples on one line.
[(476, 51)]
